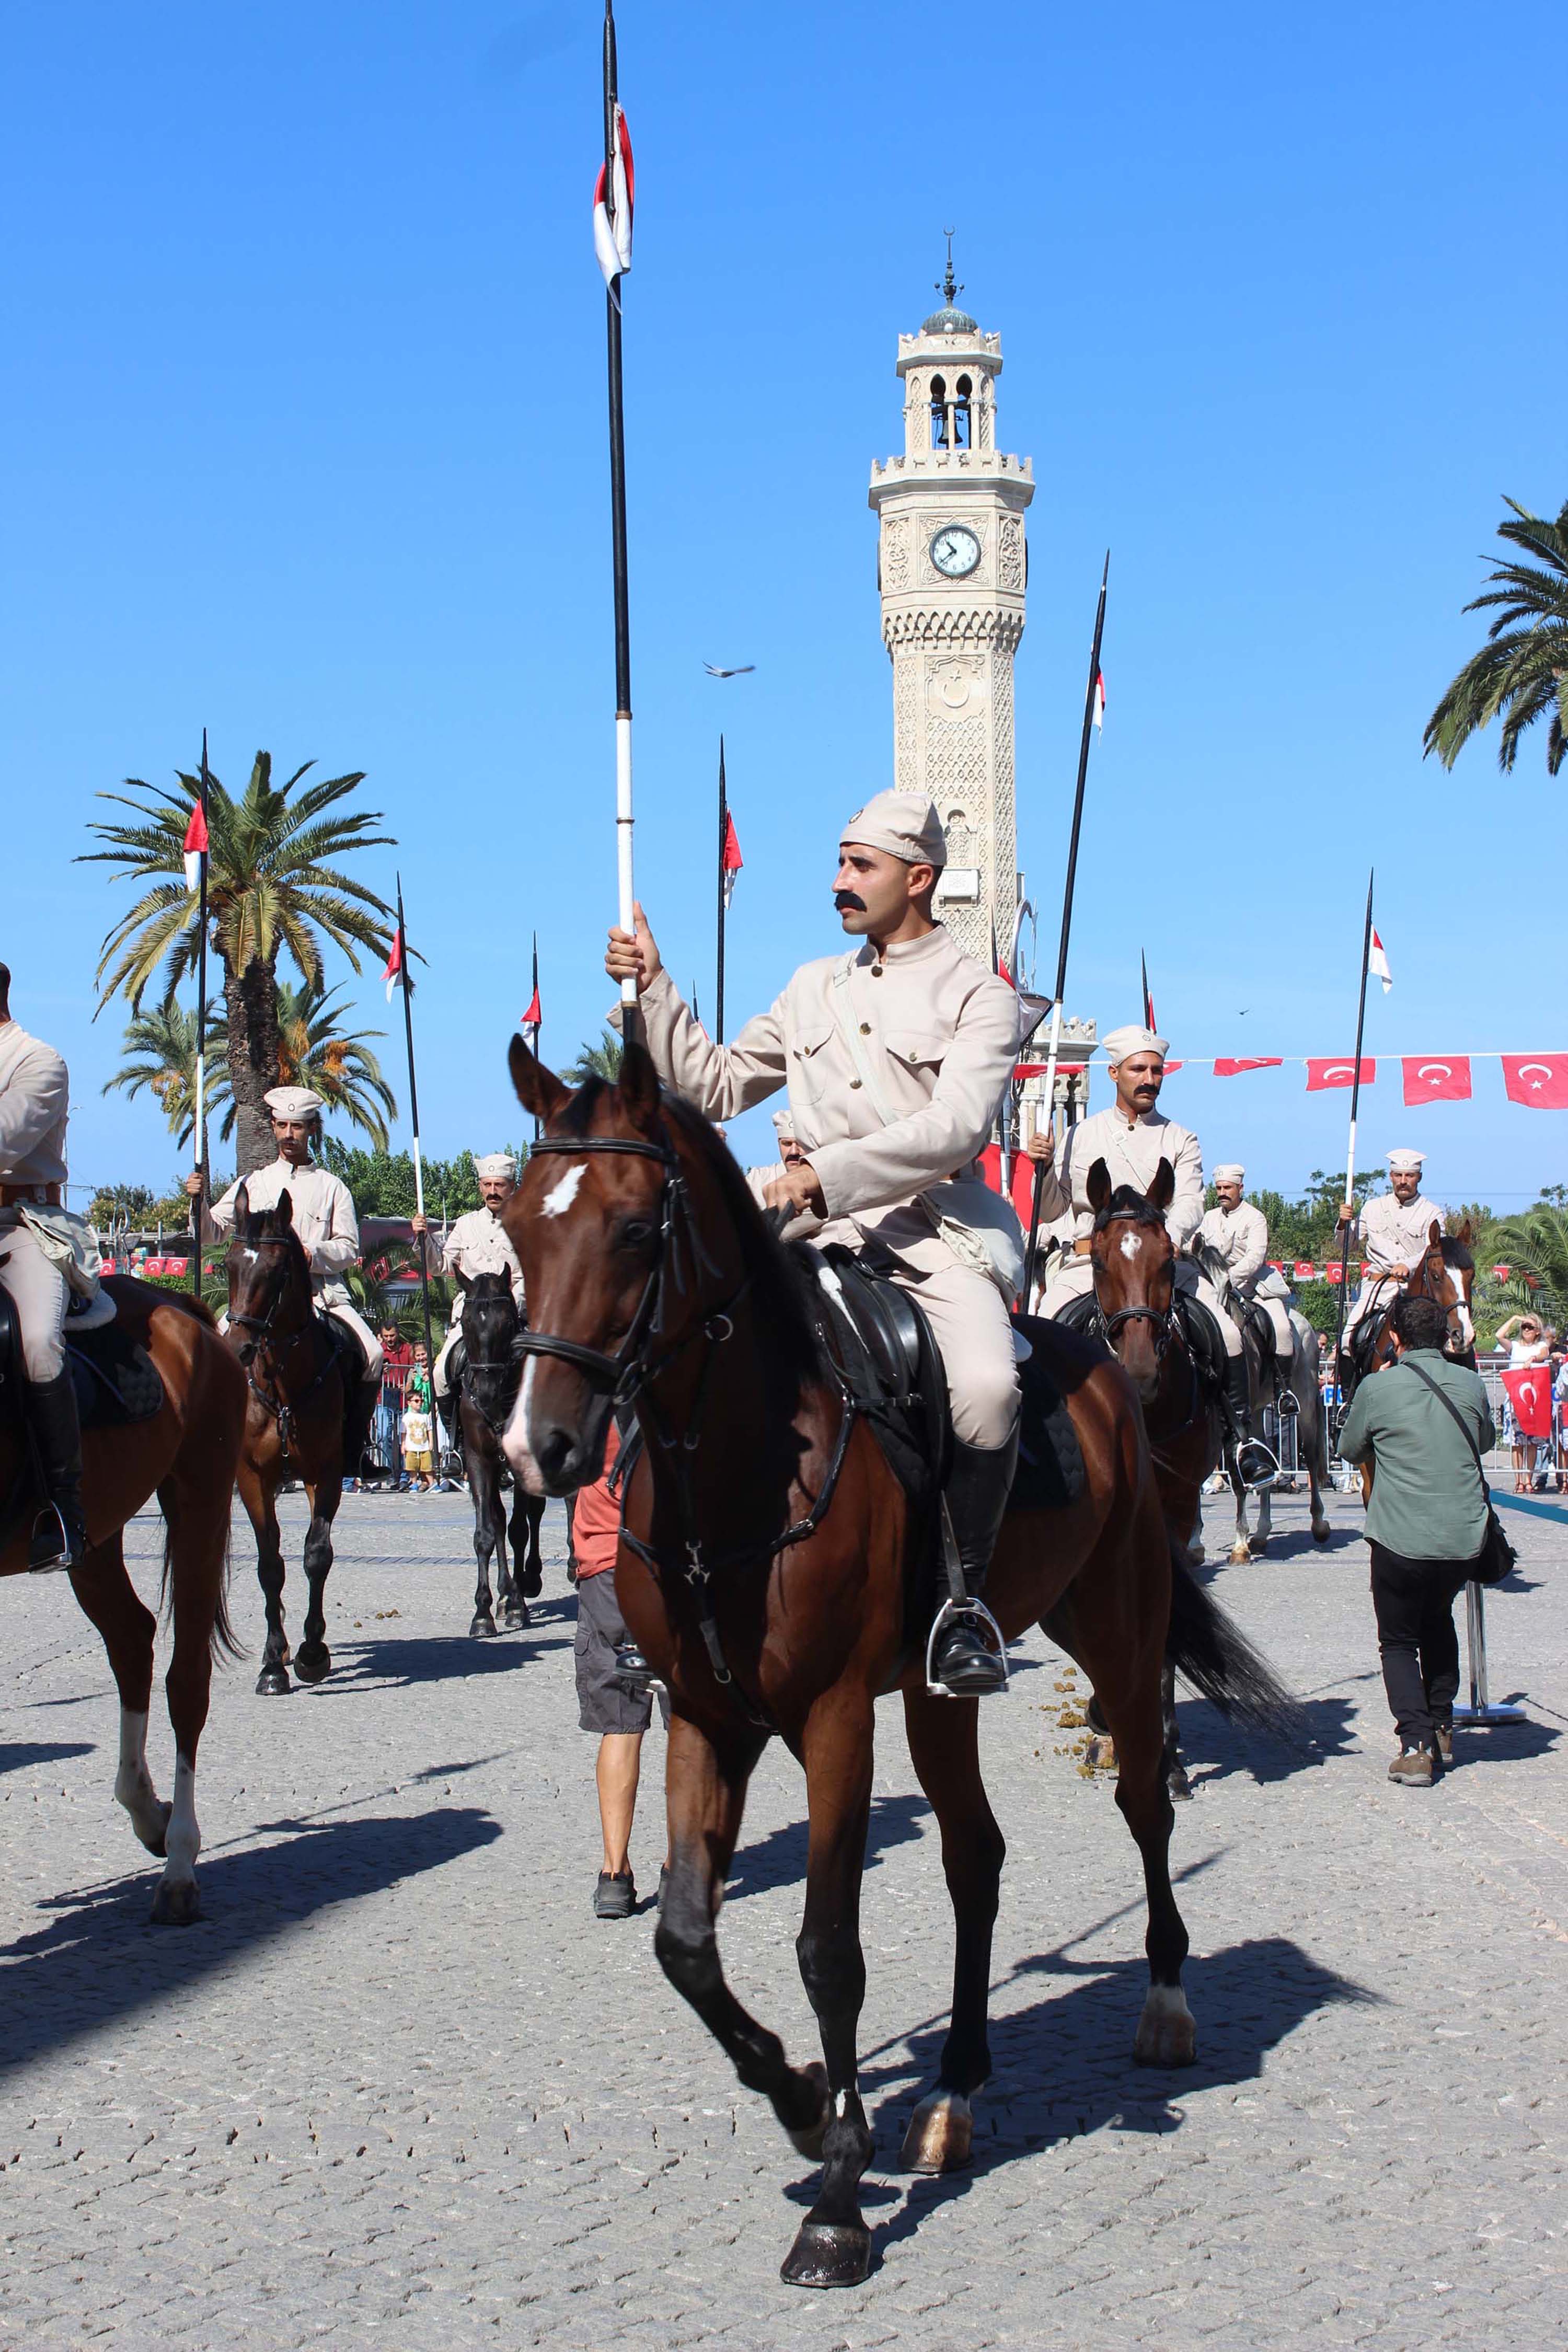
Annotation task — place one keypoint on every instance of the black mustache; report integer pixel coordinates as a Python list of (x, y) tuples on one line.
[(842, 898)]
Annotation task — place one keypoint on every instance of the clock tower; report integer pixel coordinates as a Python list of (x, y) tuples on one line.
[(951, 570)]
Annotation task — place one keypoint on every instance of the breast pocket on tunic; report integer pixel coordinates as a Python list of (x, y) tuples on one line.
[(811, 1061), (917, 1052)]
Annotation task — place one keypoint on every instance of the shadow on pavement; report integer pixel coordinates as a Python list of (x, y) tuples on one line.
[(403, 1661), (779, 1859), (98, 1961), (1212, 1749), (1064, 2068), (16, 1755)]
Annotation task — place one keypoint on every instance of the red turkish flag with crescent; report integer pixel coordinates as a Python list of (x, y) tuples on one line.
[(1231, 1065), (1530, 1393), (1538, 1080), (1324, 1073), (1023, 1178), (1437, 1080)]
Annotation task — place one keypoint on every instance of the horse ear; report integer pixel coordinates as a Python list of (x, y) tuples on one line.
[(241, 1206), (539, 1090), (1435, 1238), (639, 1087), (461, 1279), (283, 1210), (1162, 1191), (1466, 1233), (1100, 1188)]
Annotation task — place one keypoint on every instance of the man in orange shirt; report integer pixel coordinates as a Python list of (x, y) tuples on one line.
[(620, 1716)]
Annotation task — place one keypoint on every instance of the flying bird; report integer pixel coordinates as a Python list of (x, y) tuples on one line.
[(743, 669)]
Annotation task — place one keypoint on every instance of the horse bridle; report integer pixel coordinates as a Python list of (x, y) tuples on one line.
[(280, 1408)]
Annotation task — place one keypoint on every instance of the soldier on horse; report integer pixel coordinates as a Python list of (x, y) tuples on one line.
[(1238, 1232), (896, 1056), (477, 1245)]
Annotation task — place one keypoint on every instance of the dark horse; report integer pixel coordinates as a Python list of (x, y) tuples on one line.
[(765, 1571), (1446, 1272), (186, 1455), (308, 1417), (486, 1394)]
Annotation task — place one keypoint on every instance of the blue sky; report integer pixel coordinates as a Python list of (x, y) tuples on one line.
[(302, 386)]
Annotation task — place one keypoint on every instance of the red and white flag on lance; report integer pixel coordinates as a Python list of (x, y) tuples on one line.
[(1232, 1066), (1538, 1080), (1322, 1074), (730, 859), (1436, 1081), (613, 221), (1377, 963), (393, 972), (195, 847), (1530, 1393), (533, 1017), (1099, 698)]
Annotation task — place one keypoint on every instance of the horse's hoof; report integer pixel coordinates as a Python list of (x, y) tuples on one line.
[(1099, 1755), (1321, 1535), (273, 1682), (1167, 2035), (940, 2134), (532, 1583), (515, 1618), (177, 1905), (829, 2253), (156, 1840), (808, 2143), (314, 1663), (483, 1627), (1195, 1555), (1240, 1554), (1177, 1783)]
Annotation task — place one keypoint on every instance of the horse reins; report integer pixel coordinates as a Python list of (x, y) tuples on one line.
[(280, 1408)]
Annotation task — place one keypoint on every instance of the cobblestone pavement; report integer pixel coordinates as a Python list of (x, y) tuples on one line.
[(398, 2086)]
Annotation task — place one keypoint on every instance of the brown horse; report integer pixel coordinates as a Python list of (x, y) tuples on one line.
[(186, 1455), (307, 1418), (765, 1571), (1444, 1272)]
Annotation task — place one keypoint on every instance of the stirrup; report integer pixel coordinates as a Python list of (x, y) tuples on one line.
[(60, 1555), (1256, 1444), (632, 1672), (1287, 1403), (951, 1608)]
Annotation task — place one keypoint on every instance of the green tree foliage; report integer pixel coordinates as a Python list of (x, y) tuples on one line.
[(1521, 674), (600, 1061), (136, 1208), (273, 883), (1534, 1248), (382, 1183)]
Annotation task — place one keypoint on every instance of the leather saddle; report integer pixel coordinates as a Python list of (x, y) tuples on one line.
[(881, 1343), (1262, 1330), (116, 1381)]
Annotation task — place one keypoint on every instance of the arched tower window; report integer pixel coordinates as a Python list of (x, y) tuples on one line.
[(960, 414), (939, 412)]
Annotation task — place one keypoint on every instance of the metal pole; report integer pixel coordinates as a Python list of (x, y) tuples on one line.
[(1349, 1143), (630, 1017), (1053, 1048), (723, 841), (404, 960), (1480, 1710), (199, 1137)]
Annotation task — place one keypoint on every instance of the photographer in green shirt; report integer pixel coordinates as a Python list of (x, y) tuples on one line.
[(1425, 1521)]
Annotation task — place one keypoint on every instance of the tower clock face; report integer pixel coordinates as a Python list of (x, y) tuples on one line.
[(954, 550)]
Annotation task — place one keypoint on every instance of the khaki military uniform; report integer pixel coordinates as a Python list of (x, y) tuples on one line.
[(325, 1219), (895, 1065), (1389, 1235), (1131, 1151), (478, 1243), (46, 1252), (1240, 1237)]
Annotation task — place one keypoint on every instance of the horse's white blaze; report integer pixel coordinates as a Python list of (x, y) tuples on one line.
[(132, 1782), (184, 1839), (562, 1194), (1131, 1244), (515, 1443)]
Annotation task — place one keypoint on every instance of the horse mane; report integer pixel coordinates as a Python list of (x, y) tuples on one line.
[(777, 1280), (1128, 1203), (1455, 1254)]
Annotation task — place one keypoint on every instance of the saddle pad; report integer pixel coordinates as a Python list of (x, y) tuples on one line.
[(1050, 1474), (115, 1379)]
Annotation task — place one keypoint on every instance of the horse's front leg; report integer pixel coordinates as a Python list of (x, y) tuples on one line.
[(944, 1751), (488, 1525), (127, 1625), (1240, 1550), (261, 1508), (314, 1661), (513, 1607), (532, 1509), (706, 1793), (833, 2245)]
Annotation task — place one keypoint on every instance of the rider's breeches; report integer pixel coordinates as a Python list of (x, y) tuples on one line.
[(342, 1312), (1278, 1313), (443, 1385), (1073, 1277), (1377, 1291), (38, 1290), (975, 1338)]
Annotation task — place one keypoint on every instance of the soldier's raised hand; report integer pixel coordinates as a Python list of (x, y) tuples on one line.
[(634, 956), (1042, 1146)]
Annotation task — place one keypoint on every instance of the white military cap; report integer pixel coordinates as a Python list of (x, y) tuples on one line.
[(1232, 1172), (905, 824), (784, 1122), (292, 1102), (1133, 1038), (496, 1163), (1405, 1163)]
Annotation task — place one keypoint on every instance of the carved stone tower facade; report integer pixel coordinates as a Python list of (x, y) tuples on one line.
[(952, 569)]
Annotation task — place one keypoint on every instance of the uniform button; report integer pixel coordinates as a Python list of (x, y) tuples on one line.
[(853, 1084), (865, 1028), (876, 971)]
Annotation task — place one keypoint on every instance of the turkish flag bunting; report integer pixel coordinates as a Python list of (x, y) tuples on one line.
[(1230, 1066), (1341, 1073), (1303, 1269), (1436, 1081), (1530, 1393), (1538, 1080)]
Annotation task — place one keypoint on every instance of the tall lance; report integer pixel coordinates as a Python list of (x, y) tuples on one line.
[(1053, 1048), (199, 1138), (403, 976), (614, 252), (532, 1022), (723, 896), (1148, 1000), (1355, 1106)]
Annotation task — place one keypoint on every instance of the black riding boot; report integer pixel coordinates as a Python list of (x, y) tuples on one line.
[(1254, 1465), (965, 1664), (1284, 1371), (59, 1531)]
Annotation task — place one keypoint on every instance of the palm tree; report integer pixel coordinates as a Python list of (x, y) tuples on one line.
[(314, 1051), (271, 884), (1534, 1248), (1522, 671), (600, 1061), (161, 1049)]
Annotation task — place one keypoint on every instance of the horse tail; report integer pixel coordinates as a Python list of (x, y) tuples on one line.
[(1209, 1650), (223, 1641)]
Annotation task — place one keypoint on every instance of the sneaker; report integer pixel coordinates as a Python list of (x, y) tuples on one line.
[(1443, 1733), (616, 1895), (1413, 1767)]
